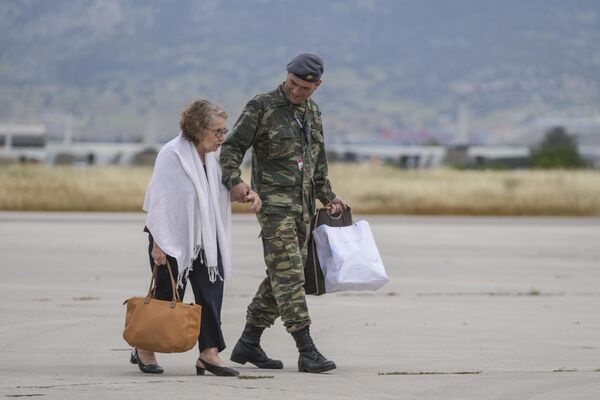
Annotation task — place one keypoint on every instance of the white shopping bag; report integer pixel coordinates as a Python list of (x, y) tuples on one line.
[(349, 258)]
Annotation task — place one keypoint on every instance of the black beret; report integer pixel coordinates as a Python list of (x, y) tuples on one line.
[(306, 66)]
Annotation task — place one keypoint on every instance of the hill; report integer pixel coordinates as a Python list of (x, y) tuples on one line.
[(396, 69)]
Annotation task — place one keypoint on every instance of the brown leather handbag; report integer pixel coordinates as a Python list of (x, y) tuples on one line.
[(314, 281), (159, 325)]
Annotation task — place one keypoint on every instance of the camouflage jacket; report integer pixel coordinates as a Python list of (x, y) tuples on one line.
[(289, 164)]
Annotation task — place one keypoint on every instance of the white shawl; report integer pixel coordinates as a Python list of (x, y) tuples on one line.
[(189, 211)]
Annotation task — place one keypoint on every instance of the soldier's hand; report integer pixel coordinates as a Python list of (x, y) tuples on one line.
[(255, 202), (336, 205), (239, 192)]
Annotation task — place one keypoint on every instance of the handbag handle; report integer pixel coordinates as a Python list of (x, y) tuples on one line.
[(314, 220), (333, 215), (344, 213), (152, 289)]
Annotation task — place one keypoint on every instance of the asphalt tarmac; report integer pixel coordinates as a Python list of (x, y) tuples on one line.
[(476, 308)]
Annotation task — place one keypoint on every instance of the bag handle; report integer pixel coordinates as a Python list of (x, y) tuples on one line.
[(344, 213), (313, 220), (152, 290), (333, 215)]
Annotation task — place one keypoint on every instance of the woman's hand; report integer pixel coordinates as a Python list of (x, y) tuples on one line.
[(239, 192), (159, 256), (255, 202)]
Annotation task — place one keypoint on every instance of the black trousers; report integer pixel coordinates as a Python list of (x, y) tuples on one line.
[(209, 295)]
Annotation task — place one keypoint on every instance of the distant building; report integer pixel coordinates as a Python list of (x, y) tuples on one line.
[(101, 153), (29, 143), (506, 157), (23, 142), (410, 157), (418, 157)]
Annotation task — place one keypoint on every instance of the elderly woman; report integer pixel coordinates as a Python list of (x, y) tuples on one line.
[(188, 224)]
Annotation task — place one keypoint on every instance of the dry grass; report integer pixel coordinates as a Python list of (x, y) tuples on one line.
[(386, 190), (41, 188), (368, 188), (430, 373)]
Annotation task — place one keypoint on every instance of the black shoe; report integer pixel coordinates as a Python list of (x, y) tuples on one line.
[(247, 349), (310, 359), (147, 369), (215, 369)]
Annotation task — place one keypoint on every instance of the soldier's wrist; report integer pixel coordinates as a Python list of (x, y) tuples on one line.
[(326, 198), (233, 182)]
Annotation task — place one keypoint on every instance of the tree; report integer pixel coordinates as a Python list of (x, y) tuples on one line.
[(557, 149)]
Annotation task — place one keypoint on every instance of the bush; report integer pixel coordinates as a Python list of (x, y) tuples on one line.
[(558, 149)]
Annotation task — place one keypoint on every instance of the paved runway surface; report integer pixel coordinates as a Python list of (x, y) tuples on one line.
[(477, 308)]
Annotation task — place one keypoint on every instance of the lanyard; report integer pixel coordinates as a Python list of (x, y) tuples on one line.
[(303, 129)]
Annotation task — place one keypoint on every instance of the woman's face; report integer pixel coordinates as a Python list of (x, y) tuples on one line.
[(214, 136)]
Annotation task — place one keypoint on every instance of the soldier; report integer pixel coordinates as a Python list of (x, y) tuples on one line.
[(289, 171)]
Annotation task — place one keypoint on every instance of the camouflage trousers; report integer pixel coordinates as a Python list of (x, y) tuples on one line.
[(281, 293)]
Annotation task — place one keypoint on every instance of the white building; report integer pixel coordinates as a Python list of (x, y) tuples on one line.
[(24, 143), (401, 155)]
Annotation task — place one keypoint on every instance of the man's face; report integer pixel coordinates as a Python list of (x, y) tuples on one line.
[(298, 90)]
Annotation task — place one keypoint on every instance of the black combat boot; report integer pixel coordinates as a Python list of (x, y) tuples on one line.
[(247, 349), (310, 360)]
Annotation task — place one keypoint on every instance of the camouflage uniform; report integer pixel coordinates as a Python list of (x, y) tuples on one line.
[(289, 170)]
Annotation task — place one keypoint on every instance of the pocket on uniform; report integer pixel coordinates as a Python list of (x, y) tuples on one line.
[(284, 143), (287, 177), (281, 148), (283, 257), (273, 222)]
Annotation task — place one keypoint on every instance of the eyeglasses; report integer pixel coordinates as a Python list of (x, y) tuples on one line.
[(219, 132)]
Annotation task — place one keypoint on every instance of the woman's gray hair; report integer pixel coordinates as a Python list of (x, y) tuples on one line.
[(197, 118)]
